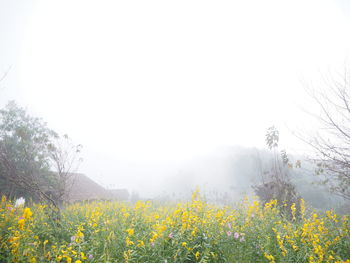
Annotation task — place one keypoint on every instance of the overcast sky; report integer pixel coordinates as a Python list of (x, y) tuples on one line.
[(164, 81)]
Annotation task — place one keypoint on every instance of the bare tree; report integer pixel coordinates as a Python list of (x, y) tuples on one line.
[(331, 143), (65, 160)]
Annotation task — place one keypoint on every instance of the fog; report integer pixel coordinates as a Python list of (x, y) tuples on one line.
[(168, 96)]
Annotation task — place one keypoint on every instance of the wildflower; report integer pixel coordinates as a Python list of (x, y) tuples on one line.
[(229, 233), (242, 239), (21, 224), (130, 231), (20, 202), (140, 243), (27, 213), (236, 235), (197, 255), (269, 257), (78, 261), (72, 238), (79, 235), (128, 242), (330, 257), (171, 235), (184, 244), (293, 209), (90, 256), (229, 225)]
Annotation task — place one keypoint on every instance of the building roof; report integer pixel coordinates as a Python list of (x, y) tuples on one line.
[(82, 188)]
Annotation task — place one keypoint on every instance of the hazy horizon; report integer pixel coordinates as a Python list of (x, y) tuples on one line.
[(154, 88)]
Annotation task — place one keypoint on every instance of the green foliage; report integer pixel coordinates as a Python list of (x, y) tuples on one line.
[(29, 150), (24, 162)]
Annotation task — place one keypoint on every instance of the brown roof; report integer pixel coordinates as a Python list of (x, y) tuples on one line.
[(83, 188)]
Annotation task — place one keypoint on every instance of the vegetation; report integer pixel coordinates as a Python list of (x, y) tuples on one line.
[(35, 162), (184, 232), (276, 183), (331, 142)]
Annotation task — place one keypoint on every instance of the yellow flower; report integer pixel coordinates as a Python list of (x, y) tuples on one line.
[(78, 261), (184, 244), (21, 224), (269, 257), (130, 231), (293, 209), (197, 255), (27, 213), (140, 243), (128, 242)]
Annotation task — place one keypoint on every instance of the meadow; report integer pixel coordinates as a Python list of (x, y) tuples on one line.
[(193, 231)]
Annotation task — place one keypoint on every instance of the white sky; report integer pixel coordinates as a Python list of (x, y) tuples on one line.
[(149, 81)]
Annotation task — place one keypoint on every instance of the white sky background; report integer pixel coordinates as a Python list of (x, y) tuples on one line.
[(162, 81)]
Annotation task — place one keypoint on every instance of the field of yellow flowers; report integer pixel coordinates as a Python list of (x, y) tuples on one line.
[(184, 232)]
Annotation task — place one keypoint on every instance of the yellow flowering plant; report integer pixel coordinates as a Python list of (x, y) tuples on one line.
[(192, 231)]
